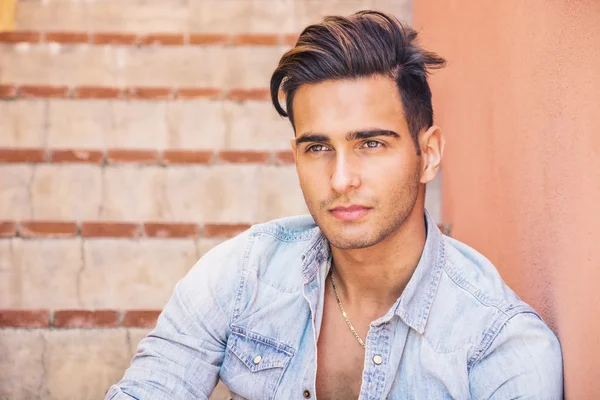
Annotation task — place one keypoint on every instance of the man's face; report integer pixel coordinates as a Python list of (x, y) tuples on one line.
[(357, 163)]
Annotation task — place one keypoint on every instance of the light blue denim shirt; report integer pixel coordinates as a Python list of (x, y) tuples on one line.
[(457, 331)]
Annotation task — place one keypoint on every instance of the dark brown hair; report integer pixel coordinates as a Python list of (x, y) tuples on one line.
[(363, 44)]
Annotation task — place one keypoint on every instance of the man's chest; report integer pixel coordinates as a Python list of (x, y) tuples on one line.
[(339, 368), (398, 362), (340, 357)]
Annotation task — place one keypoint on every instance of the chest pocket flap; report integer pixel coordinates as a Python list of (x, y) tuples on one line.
[(258, 352)]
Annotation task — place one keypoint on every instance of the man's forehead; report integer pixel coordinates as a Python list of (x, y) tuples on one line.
[(362, 96), (345, 89), (336, 108)]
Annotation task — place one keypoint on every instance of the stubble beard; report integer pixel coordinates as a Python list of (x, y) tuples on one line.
[(379, 225)]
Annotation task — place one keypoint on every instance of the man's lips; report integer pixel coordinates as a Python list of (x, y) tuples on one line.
[(350, 213)]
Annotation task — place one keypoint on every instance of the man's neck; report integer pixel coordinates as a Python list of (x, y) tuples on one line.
[(372, 279)]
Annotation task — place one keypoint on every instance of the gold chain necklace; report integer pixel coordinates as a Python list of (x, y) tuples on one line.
[(344, 313)]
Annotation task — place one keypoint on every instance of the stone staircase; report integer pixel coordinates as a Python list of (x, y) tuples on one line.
[(134, 136)]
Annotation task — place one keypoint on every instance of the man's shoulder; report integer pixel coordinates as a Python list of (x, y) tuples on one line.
[(498, 329), (281, 241), (269, 253), (279, 232), (300, 228), (473, 303), (470, 272)]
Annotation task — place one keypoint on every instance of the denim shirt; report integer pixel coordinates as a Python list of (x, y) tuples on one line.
[(249, 313)]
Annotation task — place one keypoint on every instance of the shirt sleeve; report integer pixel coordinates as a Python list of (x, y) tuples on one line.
[(181, 358), (523, 361)]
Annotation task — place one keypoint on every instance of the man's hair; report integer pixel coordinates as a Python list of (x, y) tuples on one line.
[(364, 44)]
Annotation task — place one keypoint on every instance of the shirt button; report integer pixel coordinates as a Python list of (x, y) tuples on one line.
[(257, 359), (377, 360), (306, 394)]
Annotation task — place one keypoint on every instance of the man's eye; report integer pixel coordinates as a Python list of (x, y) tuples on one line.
[(316, 148), (371, 144)]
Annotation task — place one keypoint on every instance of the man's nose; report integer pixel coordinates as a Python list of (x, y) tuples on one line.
[(345, 174)]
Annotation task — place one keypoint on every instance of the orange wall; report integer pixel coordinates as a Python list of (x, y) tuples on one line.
[(520, 105)]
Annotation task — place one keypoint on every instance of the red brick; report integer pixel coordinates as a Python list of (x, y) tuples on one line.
[(187, 157), (168, 39), (193, 93), (170, 230), (285, 157), (67, 37), (77, 156), (96, 92), (19, 37), (207, 38), (290, 39), (109, 229), (22, 155), (244, 157), (249, 94), (257, 39), (140, 318), (149, 93), (34, 229), (132, 156), (114, 38), (86, 318), (8, 91), (224, 230), (24, 318), (8, 229), (45, 91)]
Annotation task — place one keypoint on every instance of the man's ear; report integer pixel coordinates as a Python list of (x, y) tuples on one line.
[(432, 144)]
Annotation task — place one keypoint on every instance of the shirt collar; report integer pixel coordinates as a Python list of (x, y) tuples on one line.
[(416, 300), (314, 256)]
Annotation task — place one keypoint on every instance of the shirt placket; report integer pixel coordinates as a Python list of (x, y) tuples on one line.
[(308, 389), (377, 361)]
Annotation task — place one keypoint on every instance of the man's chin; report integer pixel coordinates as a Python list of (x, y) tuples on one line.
[(350, 237), (345, 243)]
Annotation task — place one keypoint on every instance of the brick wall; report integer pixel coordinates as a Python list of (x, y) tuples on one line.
[(134, 136)]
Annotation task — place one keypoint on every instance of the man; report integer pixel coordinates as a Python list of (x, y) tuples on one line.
[(366, 298)]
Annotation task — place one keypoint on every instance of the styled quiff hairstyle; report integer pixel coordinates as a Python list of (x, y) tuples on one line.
[(364, 44)]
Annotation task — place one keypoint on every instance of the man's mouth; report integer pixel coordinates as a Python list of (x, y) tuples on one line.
[(351, 212)]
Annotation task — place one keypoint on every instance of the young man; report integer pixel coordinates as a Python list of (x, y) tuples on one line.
[(365, 298)]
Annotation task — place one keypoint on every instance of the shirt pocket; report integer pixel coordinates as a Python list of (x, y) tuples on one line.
[(254, 364)]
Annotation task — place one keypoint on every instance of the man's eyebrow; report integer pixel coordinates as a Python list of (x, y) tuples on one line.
[(370, 133), (312, 137), (355, 135)]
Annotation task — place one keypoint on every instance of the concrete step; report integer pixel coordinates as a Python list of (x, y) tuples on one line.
[(191, 15), (213, 66), (227, 193), (36, 363), (98, 124), (95, 273)]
